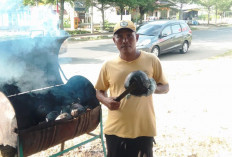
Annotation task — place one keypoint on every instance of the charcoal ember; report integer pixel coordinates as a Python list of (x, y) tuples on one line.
[(64, 116), (77, 109), (51, 116)]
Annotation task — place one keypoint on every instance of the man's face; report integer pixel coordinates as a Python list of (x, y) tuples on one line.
[(125, 40)]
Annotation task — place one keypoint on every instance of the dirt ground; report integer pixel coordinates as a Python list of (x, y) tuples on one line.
[(193, 120)]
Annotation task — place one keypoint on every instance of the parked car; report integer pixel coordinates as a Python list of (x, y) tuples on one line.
[(164, 36)]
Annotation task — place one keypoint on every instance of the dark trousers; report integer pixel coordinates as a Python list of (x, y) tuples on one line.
[(127, 147)]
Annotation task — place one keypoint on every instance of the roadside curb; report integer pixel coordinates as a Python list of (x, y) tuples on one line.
[(109, 35), (95, 36)]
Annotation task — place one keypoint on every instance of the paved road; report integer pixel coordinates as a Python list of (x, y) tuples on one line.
[(205, 44), (91, 52)]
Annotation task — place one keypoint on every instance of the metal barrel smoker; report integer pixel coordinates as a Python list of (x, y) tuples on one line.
[(30, 77)]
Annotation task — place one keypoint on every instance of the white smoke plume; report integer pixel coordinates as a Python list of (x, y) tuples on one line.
[(9, 5), (17, 19), (19, 27)]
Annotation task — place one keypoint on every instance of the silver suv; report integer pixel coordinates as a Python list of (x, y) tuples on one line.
[(164, 36)]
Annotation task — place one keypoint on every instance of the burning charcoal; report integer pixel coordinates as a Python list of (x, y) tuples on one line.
[(65, 109), (64, 116), (77, 109), (51, 116)]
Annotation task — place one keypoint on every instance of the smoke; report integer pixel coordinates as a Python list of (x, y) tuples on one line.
[(29, 45), (9, 68), (28, 20), (9, 5), (44, 19)]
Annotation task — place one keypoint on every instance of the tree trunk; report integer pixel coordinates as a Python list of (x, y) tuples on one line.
[(92, 25), (142, 12), (121, 14), (181, 12), (216, 14), (61, 17), (103, 17), (121, 11), (208, 14)]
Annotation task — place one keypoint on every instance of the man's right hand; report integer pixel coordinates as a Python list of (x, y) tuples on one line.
[(109, 102), (112, 104)]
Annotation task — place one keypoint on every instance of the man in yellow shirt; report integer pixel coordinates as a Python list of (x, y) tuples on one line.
[(130, 125)]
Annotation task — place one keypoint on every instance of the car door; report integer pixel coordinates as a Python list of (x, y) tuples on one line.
[(165, 39), (177, 36)]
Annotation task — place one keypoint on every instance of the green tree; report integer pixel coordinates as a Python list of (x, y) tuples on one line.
[(61, 9), (32, 2), (208, 4), (121, 4), (102, 5), (221, 7), (144, 7), (182, 2), (54, 2)]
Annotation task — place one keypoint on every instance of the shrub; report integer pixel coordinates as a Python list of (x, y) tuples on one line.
[(67, 23), (76, 32), (109, 26)]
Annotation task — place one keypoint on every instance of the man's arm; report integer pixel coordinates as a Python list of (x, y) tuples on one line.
[(162, 89), (109, 102)]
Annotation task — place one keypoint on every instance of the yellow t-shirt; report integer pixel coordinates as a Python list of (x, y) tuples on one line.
[(136, 116)]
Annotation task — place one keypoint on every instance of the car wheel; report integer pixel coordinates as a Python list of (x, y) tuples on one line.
[(156, 51), (184, 48)]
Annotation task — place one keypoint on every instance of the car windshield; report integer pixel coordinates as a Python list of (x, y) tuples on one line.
[(149, 29)]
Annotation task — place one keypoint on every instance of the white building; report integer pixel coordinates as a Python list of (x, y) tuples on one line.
[(110, 15)]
